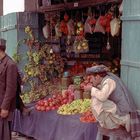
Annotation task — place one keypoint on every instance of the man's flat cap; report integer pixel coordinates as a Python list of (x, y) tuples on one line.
[(97, 69)]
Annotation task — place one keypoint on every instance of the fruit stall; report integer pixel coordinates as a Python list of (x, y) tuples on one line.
[(60, 110), (75, 35)]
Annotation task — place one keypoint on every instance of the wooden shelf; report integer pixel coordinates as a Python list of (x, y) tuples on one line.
[(74, 5)]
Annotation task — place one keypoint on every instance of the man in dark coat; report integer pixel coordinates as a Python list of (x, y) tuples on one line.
[(8, 88)]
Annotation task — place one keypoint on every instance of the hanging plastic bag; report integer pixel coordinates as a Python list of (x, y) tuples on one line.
[(99, 27), (87, 27), (46, 31), (115, 26), (121, 8), (70, 26), (58, 30)]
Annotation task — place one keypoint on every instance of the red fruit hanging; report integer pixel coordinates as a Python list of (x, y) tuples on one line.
[(66, 17)]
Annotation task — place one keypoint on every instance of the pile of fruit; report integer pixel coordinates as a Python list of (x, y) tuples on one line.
[(87, 117), (37, 92), (77, 106), (54, 102), (30, 97)]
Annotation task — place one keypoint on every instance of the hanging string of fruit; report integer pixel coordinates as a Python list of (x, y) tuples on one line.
[(63, 25), (80, 44)]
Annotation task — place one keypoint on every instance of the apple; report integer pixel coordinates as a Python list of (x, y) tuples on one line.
[(65, 101), (50, 99), (59, 96), (50, 104), (54, 96), (71, 97), (56, 107), (79, 24), (38, 108), (42, 108), (46, 104), (47, 108), (53, 108), (41, 103)]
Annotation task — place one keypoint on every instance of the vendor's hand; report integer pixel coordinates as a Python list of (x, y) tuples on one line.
[(88, 87), (4, 113)]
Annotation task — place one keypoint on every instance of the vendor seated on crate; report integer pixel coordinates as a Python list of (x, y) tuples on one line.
[(111, 101)]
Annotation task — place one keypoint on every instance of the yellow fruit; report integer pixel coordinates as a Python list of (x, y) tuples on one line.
[(80, 29), (79, 47), (77, 32), (79, 24)]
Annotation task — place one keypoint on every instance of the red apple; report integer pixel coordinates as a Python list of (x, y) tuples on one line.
[(46, 104), (47, 108), (49, 99), (50, 104), (38, 108), (65, 101), (41, 102), (53, 108), (54, 96), (42, 108), (56, 107)]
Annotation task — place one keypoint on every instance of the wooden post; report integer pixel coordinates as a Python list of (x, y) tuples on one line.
[(1, 7), (130, 60)]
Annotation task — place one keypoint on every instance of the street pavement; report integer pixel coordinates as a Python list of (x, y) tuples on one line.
[(16, 136)]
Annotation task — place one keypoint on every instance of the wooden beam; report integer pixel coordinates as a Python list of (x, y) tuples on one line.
[(74, 5)]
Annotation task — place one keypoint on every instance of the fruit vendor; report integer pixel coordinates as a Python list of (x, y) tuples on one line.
[(111, 101), (8, 87)]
